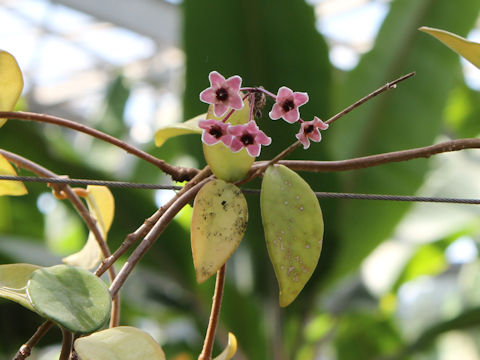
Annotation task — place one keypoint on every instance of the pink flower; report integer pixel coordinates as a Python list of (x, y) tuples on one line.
[(310, 130), (248, 136), (223, 93), (287, 104), (215, 131)]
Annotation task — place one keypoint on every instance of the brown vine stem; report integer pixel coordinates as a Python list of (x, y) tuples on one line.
[(81, 209), (380, 159), (26, 349), (66, 344), (206, 353), (149, 223), (176, 172), (152, 236)]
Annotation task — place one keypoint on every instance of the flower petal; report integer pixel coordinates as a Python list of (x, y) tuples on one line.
[(208, 96), (236, 145), (226, 139), (209, 139), (235, 101), (254, 149), (291, 116), (235, 130), (300, 98), (276, 112), (283, 94), (219, 109), (263, 139), (234, 83), (303, 139), (216, 79)]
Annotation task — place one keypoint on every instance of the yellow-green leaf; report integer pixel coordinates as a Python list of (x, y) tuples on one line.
[(13, 282), (187, 127), (468, 49), (11, 83), (230, 350), (10, 187), (102, 207), (119, 343), (293, 225), (225, 164), (219, 221)]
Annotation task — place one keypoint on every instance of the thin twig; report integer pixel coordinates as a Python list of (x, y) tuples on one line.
[(66, 344), (152, 236), (82, 211), (176, 172), (387, 86), (149, 223), (206, 353), (26, 349)]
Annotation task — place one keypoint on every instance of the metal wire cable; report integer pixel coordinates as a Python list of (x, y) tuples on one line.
[(323, 195)]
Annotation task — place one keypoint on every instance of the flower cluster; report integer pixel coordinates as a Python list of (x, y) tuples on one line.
[(224, 94)]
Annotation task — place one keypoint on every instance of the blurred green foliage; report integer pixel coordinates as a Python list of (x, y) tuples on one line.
[(274, 43)]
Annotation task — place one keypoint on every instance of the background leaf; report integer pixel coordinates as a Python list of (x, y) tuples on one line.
[(468, 49), (11, 83), (102, 207), (8, 187), (13, 282), (187, 127)]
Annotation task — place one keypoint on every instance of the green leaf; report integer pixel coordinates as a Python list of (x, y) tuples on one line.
[(13, 282), (8, 187), (102, 207), (73, 297), (407, 117), (225, 164), (172, 130), (11, 83), (293, 224), (428, 260), (219, 220), (230, 350), (468, 49), (119, 343)]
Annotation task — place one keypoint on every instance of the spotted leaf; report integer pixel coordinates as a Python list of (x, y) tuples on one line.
[(293, 225), (219, 220)]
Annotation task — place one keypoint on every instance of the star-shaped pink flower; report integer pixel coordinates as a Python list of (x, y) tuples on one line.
[(223, 93), (215, 131), (287, 104), (248, 136), (310, 130)]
